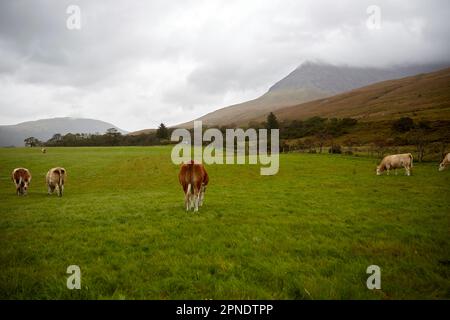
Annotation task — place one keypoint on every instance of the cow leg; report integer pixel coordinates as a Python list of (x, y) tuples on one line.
[(60, 189), (408, 171), (186, 201), (197, 191), (202, 195), (196, 200), (396, 173), (191, 201), (187, 196), (52, 189)]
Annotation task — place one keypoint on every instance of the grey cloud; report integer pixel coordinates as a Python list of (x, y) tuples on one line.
[(173, 60)]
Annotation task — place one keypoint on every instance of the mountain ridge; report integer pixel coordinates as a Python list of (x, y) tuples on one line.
[(422, 96), (44, 129), (308, 82)]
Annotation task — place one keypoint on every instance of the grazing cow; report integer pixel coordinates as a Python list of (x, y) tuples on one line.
[(445, 162), (194, 179), (22, 179), (55, 180), (396, 161), (43, 150)]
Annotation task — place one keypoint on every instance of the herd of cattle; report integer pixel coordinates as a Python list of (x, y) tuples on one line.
[(405, 160), (194, 178), (55, 180)]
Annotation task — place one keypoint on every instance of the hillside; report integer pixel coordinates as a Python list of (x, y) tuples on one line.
[(143, 131), (424, 96), (44, 129), (310, 81)]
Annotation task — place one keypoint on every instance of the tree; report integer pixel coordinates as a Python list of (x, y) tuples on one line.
[(350, 143), (112, 132), (403, 124), (348, 122), (335, 148), (380, 146), (162, 132), (272, 122), (55, 140), (284, 146), (32, 142), (112, 136), (321, 138), (419, 137)]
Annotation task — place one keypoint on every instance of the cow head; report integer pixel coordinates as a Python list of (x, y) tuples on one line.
[(379, 170)]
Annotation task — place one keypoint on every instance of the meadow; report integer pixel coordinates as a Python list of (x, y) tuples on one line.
[(308, 232)]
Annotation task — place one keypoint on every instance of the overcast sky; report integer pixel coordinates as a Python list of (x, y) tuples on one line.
[(138, 63)]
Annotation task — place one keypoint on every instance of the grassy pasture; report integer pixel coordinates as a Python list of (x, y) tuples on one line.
[(309, 232)]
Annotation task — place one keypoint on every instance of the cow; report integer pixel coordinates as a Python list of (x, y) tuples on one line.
[(43, 150), (445, 162), (194, 179), (396, 161), (21, 178), (55, 180)]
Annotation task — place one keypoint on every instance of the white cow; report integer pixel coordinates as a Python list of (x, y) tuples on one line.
[(445, 162), (396, 161), (55, 180)]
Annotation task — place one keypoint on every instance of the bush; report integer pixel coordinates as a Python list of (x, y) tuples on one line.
[(348, 122), (404, 124), (335, 149)]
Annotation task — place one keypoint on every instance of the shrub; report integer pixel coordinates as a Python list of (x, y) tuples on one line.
[(403, 124), (335, 149)]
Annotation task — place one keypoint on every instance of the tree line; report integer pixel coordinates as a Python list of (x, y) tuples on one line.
[(322, 128), (112, 137), (311, 135)]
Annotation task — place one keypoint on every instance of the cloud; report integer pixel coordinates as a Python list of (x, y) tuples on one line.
[(141, 63)]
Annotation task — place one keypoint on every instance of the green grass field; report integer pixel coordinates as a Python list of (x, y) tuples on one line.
[(309, 232)]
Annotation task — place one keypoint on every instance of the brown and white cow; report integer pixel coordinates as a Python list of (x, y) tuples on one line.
[(396, 161), (22, 179), (55, 180), (445, 162), (194, 179)]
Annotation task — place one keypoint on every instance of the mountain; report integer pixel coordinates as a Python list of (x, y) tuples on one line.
[(143, 131), (423, 96), (44, 129), (310, 81)]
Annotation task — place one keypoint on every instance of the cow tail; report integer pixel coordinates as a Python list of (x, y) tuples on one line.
[(188, 189), (411, 157), (60, 179)]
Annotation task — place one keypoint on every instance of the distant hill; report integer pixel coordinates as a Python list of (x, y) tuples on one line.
[(44, 129), (143, 131), (310, 81), (423, 96)]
